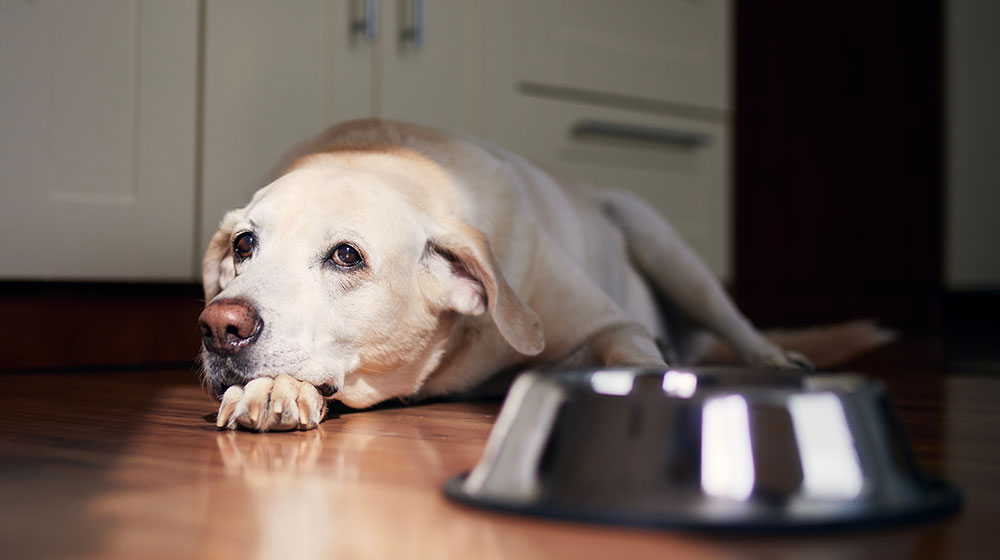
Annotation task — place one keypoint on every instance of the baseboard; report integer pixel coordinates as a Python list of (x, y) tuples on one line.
[(79, 325)]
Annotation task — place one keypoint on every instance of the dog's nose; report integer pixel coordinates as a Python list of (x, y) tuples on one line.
[(228, 326)]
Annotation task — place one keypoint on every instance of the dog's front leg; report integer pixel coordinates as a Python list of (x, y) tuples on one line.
[(272, 404)]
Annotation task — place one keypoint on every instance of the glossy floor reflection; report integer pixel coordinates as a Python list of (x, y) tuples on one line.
[(129, 465)]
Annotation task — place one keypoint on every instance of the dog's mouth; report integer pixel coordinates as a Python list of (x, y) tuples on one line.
[(327, 390), (223, 373)]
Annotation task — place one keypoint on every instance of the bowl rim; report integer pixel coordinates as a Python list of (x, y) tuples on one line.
[(578, 381)]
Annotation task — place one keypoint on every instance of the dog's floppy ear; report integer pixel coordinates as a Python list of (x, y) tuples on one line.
[(217, 268), (467, 280)]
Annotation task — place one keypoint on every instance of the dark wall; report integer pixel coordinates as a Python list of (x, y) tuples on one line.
[(838, 148)]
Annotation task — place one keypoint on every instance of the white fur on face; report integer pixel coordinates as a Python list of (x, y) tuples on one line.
[(363, 330)]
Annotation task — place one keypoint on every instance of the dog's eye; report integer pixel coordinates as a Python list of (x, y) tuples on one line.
[(243, 245), (346, 256)]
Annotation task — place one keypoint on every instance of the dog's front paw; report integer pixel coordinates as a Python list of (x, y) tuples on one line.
[(784, 359), (275, 404)]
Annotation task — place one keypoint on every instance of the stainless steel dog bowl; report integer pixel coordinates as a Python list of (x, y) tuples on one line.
[(730, 449)]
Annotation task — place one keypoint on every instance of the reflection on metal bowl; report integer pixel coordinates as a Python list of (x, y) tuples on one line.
[(703, 448)]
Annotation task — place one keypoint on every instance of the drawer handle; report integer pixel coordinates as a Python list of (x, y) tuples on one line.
[(417, 32), (640, 133), (368, 24)]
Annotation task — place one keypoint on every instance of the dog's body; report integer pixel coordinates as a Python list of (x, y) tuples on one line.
[(389, 260)]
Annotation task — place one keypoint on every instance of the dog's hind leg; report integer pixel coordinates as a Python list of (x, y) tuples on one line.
[(624, 344), (685, 281)]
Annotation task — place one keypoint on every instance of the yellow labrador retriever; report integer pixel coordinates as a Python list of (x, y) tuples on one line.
[(390, 260)]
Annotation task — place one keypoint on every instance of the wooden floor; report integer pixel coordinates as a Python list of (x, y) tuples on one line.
[(129, 465)]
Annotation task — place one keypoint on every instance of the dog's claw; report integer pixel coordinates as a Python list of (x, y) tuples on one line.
[(800, 360), (220, 420), (784, 360), (230, 399), (303, 414)]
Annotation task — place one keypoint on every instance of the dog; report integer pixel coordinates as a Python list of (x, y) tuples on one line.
[(389, 260)]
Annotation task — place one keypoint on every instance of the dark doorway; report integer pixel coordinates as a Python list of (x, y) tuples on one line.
[(838, 170)]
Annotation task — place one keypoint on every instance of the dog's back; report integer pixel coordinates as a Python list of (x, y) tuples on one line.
[(609, 239)]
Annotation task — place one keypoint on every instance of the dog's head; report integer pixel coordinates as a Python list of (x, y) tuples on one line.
[(350, 273)]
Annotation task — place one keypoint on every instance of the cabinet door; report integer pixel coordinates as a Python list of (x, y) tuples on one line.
[(440, 81), (97, 143), (276, 73)]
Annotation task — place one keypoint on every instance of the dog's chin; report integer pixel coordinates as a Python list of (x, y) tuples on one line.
[(221, 372)]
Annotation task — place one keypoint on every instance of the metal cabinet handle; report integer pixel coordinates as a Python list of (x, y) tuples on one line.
[(640, 133), (368, 24), (416, 33)]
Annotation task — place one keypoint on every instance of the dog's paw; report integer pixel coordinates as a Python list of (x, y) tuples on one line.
[(784, 360), (272, 404)]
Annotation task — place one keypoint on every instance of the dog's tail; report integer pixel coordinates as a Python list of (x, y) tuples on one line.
[(827, 346)]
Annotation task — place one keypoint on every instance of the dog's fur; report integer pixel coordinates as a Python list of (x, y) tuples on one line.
[(475, 261)]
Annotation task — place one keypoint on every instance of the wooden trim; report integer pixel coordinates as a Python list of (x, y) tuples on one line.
[(70, 324)]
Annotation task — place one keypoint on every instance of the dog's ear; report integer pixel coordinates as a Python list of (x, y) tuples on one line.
[(217, 267), (464, 277)]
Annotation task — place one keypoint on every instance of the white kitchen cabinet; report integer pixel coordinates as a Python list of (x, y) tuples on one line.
[(631, 95), (110, 168), (97, 141), (535, 76)]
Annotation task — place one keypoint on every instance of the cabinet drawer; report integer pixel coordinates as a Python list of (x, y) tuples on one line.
[(679, 165), (672, 51)]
